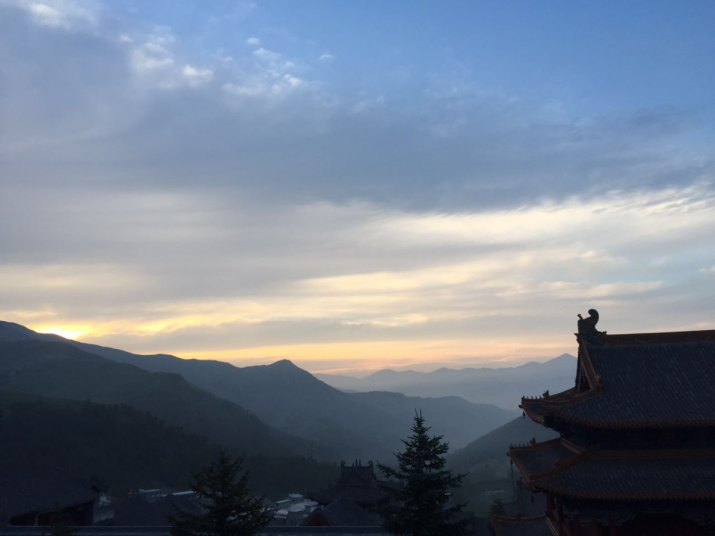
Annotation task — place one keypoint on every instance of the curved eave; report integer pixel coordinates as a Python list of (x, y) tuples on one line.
[(532, 407), (629, 424), (539, 481), (530, 476), (539, 407), (630, 497)]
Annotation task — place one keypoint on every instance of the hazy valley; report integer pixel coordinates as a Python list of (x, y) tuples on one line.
[(268, 413)]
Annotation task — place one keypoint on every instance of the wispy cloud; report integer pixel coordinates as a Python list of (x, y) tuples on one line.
[(61, 14), (223, 200)]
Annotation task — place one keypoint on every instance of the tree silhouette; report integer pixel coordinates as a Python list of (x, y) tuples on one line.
[(497, 508), (229, 508), (59, 524), (419, 504)]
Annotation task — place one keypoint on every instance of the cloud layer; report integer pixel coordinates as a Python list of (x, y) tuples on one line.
[(235, 202)]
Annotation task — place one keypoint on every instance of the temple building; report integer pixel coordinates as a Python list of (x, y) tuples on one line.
[(636, 452), (358, 482)]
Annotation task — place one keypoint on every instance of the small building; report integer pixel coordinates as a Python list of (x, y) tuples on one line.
[(358, 482), (343, 512), (293, 510), (28, 499)]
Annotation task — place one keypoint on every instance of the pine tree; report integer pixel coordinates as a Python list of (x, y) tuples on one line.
[(497, 508), (420, 504), (59, 524), (229, 509)]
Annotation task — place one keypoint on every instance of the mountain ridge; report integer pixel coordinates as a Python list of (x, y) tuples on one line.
[(290, 399), (501, 386), (56, 368)]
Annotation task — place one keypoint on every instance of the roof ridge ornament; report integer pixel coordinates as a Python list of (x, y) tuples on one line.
[(587, 331)]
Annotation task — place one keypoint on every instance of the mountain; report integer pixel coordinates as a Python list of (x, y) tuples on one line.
[(355, 425), (121, 445), (494, 445), (451, 416), (126, 448), (489, 474), (58, 369), (503, 387)]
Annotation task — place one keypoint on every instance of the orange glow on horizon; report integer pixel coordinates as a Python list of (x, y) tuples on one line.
[(68, 331), (372, 356)]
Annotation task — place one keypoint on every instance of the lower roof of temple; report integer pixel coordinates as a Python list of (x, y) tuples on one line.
[(623, 475)]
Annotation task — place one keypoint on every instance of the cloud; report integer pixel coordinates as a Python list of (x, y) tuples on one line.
[(246, 210), (62, 14), (253, 41), (267, 55), (151, 57), (374, 278), (364, 105), (277, 88), (197, 77), (326, 58)]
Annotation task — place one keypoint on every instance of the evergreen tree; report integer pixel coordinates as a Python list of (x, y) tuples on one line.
[(59, 524), (420, 504), (497, 508), (229, 509)]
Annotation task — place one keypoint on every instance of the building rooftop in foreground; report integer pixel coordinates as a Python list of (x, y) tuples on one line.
[(622, 384), (637, 448)]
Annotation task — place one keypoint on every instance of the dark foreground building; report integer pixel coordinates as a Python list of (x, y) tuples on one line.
[(636, 454), (43, 499), (358, 482)]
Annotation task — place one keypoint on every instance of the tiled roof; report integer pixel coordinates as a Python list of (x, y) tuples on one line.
[(22, 493), (13, 503), (344, 512), (358, 482), (356, 474), (525, 526), (542, 457), (619, 475), (640, 381)]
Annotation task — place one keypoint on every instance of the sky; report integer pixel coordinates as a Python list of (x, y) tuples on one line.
[(356, 185)]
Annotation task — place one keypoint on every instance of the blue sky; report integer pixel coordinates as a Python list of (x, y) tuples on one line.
[(355, 184), (604, 56)]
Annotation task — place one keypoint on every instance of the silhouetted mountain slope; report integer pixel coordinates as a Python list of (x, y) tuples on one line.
[(501, 386), (122, 446), (293, 400), (494, 445), (487, 464), (61, 370), (127, 448), (453, 417)]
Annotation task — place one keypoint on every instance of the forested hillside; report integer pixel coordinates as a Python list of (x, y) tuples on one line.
[(61, 370), (127, 448), (291, 399)]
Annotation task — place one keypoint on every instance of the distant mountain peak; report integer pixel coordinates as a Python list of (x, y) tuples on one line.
[(565, 357), (284, 363)]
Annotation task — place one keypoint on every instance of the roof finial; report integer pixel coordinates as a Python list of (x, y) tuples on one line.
[(587, 331)]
